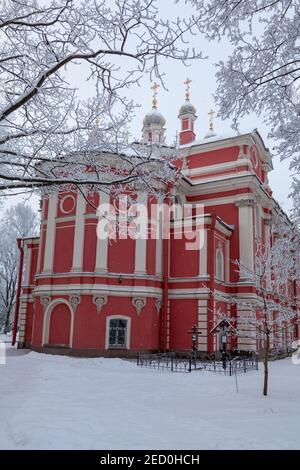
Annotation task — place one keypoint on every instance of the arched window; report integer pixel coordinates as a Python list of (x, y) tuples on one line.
[(219, 264)]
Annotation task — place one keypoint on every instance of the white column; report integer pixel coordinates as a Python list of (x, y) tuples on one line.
[(227, 261), (78, 248), (26, 281), (159, 241), (203, 254), (246, 236), (141, 243), (50, 235), (102, 244), (267, 244)]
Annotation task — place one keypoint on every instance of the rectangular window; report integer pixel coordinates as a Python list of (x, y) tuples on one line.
[(117, 333)]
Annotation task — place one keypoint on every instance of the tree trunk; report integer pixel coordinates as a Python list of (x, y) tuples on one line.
[(266, 365), (7, 322)]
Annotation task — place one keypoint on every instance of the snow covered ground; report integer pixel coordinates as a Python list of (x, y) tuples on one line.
[(52, 402)]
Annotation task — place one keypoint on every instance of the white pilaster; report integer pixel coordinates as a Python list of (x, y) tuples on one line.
[(267, 244), (227, 261), (141, 242), (246, 241), (78, 248), (50, 235), (26, 280), (159, 243), (102, 244), (203, 254)]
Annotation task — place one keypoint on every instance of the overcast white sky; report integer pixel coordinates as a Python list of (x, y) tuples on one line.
[(202, 74)]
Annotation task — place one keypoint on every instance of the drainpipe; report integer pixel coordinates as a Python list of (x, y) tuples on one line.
[(14, 335), (166, 241)]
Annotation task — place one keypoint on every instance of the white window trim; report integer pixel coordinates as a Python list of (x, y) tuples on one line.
[(47, 320), (128, 332)]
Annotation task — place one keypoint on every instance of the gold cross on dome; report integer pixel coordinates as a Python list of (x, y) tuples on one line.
[(187, 88), (154, 87), (211, 119)]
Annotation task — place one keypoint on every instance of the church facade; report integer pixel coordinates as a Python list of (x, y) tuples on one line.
[(84, 295)]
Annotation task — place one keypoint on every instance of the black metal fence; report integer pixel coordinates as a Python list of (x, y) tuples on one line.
[(243, 365), (179, 363), (236, 365), (169, 361)]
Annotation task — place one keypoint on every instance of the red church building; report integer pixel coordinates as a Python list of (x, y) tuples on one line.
[(83, 295)]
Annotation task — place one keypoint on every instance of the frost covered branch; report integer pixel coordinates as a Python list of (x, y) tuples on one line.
[(48, 135), (262, 74)]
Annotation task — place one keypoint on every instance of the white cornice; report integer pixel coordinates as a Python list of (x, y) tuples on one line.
[(228, 184), (100, 274), (88, 289), (32, 240), (217, 167)]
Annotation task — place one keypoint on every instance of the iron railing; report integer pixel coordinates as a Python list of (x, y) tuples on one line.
[(182, 363), (243, 364), (169, 361)]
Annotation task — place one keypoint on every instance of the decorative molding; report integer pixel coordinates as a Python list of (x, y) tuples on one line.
[(62, 201), (267, 221), (266, 167), (139, 303), (74, 300), (45, 301), (98, 289), (99, 301), (249, 202), (242, 155), (158, 305)]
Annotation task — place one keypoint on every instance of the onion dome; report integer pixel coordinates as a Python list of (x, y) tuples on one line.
[(187, 116), (154, 117), (154, 122), (187, 108)]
